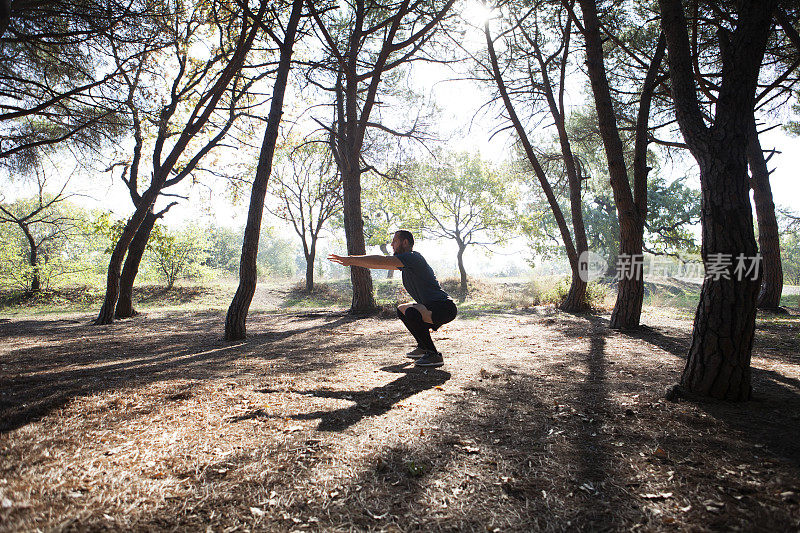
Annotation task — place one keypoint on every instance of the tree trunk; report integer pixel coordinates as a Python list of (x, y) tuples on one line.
[(106, 315), (576, 298), (33, 260), (718, 363), (310, 266), (569, 246), (576, 301), (237, 312), (36, 281), (363, 300), (627, 310), (385, 250), (630, 277), (463, 272), (768, 236), (131, 268)]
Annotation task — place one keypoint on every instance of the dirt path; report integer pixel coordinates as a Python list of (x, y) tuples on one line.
[(538, 421)]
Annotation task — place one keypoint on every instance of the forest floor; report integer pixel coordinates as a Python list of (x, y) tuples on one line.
[(539, 421)]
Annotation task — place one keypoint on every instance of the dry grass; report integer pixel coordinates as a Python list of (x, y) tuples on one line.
[(539, 421)]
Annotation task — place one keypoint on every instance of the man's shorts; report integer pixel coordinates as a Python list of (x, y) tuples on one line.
[(442, 312)]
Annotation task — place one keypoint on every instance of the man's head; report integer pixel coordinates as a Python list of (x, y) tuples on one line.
[(403, 241)]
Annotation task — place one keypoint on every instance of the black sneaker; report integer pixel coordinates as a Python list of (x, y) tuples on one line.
[(430, 360), (417, 352)]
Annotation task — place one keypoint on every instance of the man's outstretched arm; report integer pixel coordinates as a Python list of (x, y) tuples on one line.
[(380, 262)]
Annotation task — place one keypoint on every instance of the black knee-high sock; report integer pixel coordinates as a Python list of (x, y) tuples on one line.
[(419, 328)]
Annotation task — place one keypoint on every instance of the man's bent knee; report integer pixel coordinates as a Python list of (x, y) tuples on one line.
[(418, 309)]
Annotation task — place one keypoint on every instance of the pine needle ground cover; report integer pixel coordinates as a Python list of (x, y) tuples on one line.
[(539, 420)]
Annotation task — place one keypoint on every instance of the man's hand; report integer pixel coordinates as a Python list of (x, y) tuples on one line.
[(346, 261)]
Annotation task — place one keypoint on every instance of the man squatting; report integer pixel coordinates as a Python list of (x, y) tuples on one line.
[(432, 308)]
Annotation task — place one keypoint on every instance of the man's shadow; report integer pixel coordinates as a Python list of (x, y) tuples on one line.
[(373, 402)]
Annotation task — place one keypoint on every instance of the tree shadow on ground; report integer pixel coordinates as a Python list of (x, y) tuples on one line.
[(550, 448), (518, 451), (562, 443), (174, 295), (48, 363), (771, 419), (368, 403)]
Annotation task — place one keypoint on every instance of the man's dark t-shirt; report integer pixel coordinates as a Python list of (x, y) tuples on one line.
[(419, 279)]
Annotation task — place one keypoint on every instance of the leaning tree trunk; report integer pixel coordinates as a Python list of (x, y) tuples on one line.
[(385, 250), (106, 315), (363, 300), (131, 268), (576, 298), (237, 312), (628, 308), (463, 272), (768, 236), (575, 301)]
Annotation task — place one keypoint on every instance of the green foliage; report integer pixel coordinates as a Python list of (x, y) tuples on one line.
[(178, 253), (556, 292), (224, 249), (15, 272), (277, 257), (460, 196), (307, 187), (673, 208), (790, 246), (790, 257), (53, 229), (387, 206), (107, 229)]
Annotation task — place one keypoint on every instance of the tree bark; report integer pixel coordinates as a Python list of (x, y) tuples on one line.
[(130, 269), (768, 235), (236, 317), (630, 280), (462, 271), (33, 260), (310, 265), (363, 301), (385, 250), (106, 315), (718, 363), (628, 308), (576, 301)]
